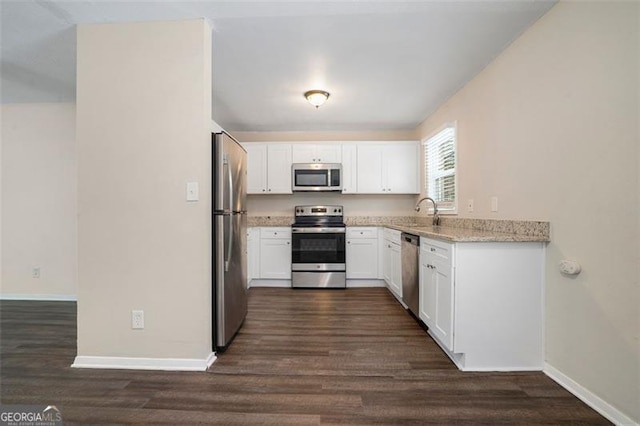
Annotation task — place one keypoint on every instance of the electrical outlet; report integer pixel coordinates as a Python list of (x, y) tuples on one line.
[(35, 272), (494, 204), (137, 320), (470, 205)]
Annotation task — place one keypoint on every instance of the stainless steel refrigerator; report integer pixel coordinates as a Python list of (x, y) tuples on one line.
[(229, 239)]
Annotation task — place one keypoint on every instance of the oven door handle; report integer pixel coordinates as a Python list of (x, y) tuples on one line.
[(318, 230)]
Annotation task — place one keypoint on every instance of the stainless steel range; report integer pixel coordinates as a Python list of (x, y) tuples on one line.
[(318, 247)]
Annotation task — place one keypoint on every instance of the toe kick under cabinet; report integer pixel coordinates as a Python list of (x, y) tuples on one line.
[(483, 302)]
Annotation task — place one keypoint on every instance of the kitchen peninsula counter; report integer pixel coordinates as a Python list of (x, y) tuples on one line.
[(452, 234)]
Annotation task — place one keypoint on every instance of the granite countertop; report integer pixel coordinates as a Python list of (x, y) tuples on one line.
[(452, 234), (453, 229)]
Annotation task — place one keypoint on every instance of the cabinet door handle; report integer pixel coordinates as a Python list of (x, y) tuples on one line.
[(432, 249), (348, 242), (288, 242), (263, 189)]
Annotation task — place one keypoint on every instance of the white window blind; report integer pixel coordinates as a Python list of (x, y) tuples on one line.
[(440, 168)]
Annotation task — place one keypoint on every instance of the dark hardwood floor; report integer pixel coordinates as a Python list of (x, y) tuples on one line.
[(302, 357)]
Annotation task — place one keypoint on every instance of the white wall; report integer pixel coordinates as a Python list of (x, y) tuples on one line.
[(354, 205), (143, 132), (39, 212), (551, 128)]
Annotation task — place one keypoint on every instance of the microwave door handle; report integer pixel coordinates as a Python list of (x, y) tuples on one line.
[(229, 216)]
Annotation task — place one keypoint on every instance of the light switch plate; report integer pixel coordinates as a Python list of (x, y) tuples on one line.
[(494, 204), (193, 193)]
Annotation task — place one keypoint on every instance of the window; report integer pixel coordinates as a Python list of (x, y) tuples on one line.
[(440, 168)]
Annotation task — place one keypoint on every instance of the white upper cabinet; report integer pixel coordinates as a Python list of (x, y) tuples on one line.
[(388, 168), (402, 163), (349, 168), (316, 153), (329, 153), (367, 167), (279, 168), (256, 168), (268, 168)]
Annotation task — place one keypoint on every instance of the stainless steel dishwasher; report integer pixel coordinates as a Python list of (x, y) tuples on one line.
[(410, 253)]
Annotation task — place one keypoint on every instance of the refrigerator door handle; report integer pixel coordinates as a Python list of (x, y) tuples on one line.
[(229, 243), (230, 188), (230, 228)]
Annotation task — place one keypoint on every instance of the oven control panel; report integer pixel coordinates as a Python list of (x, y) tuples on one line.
[(318, 210)]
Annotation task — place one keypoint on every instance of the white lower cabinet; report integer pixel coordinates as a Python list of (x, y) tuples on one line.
[(483, 302), (392, 262), (436, 290), (253, 254), (362, 252), (275, 253)]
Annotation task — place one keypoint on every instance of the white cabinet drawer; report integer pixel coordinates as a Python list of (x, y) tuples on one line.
[(392, 235), (440, 250), (279, 232), (362, 232)]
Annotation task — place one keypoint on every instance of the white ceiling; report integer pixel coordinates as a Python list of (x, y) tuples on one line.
[(387, 64)]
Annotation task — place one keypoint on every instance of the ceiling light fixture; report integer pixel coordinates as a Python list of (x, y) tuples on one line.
[(316, 97)]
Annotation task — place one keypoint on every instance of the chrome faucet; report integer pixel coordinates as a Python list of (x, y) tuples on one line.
[(436, 217)]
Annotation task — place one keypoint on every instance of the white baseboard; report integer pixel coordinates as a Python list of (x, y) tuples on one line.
[(287, 283), (124, 363), (270, 283), (592, 400), (40, 297), (365, 283)]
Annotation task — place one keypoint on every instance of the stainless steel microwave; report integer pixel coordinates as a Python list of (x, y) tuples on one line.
[(311, 177)]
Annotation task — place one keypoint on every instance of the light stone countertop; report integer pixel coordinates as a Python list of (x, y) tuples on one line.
[(451, 234), (452, 229), (269, 220)]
